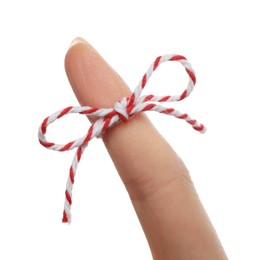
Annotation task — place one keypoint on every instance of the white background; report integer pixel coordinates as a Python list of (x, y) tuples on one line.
[(228, 44)]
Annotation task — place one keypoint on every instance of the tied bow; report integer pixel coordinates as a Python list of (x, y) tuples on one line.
[(121, 112)]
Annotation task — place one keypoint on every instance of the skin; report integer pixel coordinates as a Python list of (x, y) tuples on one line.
[(162, 193)]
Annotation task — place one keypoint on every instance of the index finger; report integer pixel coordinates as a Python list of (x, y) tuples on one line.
[(161, 190)]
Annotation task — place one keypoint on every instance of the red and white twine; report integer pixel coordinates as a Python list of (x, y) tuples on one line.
[(121, 112)]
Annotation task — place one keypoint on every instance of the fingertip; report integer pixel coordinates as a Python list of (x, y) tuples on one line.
[(93, 80), (78, 40)]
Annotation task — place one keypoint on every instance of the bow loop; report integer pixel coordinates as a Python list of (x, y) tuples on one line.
[(120, 112), (136, 96)]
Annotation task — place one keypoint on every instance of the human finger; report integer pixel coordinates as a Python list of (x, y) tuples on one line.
[(155, 177)]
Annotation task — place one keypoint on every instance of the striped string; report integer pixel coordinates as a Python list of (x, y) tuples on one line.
[(120, 112)]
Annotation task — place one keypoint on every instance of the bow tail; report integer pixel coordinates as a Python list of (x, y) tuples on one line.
[(176, 113), (69, 186)]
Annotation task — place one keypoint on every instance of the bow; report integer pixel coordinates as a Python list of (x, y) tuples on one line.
[(122, 111)]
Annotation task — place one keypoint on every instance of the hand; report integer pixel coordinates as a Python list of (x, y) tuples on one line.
[(159, 185)]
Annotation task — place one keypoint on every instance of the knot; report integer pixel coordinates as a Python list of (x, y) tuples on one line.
[(122, 110)]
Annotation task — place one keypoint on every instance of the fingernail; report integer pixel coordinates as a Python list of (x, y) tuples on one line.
[(78, 40)]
